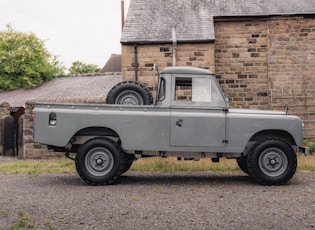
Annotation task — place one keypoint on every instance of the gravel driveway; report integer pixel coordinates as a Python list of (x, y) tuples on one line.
[(157, 201)]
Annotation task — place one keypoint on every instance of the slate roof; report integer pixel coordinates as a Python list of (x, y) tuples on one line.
[(113, 65), (152, 21), (63, 88)]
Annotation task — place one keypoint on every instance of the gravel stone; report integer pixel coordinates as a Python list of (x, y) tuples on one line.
[(144, 200)]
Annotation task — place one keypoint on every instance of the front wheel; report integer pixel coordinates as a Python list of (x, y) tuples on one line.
[(242, 163), (100, 161), (272, 161)]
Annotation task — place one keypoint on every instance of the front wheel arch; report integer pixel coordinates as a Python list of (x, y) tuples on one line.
[(275, 134)]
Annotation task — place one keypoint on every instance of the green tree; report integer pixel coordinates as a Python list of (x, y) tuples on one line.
[(24, 61), (78, 68)]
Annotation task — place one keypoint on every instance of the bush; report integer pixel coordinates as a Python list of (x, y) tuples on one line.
[(78, 68), (24, 61), (310, 144)]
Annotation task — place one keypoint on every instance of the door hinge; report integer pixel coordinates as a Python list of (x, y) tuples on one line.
[(225, 141)]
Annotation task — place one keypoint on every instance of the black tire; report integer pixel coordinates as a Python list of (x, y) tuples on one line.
[(130, 93), (100, 161), (272, 161), (242, 163), (129, 159)]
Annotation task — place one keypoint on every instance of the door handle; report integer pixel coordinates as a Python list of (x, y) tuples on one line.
[(179, 123)]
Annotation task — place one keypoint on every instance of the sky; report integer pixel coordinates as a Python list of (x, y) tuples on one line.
[(74, 30)]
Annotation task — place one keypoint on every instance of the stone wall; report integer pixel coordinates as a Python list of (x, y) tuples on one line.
[(32, 150), (198, 55), (241, 62), (291, 67), (4, 109), (266, 64)]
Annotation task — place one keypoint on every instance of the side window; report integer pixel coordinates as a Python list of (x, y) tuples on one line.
[(198, 91), (183, 89), (201, 91)]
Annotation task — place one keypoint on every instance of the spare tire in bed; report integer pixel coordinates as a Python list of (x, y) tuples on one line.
[(129, 93)]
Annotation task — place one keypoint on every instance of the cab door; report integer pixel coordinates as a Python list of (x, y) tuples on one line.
[(198, 113), (197, 128)]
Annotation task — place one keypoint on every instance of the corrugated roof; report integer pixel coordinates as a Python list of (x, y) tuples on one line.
[(152, 21)]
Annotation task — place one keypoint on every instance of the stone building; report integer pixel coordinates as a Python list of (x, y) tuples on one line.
[(262, 52)]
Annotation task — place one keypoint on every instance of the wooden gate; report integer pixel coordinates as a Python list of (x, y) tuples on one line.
[(16, 113)]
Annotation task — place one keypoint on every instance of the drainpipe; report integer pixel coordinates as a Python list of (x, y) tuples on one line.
[(136, 61), (174, 45), (122, 14)]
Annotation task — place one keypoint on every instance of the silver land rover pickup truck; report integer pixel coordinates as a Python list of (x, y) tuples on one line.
[(189, 117)]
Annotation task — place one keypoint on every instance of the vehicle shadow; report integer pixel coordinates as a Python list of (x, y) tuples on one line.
[(145, 178), (133, 178)]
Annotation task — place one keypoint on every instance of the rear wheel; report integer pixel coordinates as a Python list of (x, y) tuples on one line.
[(129, 159), (272, 161), (129, 93), (100, 161)]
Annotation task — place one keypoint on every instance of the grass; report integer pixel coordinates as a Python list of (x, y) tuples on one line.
[(22, 222), (171, 164), (306, 163), (55, 165)]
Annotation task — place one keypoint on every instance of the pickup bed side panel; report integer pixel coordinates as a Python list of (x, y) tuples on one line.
[(142, 127)]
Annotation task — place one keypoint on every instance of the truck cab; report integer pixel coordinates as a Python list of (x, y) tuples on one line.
[(198, 107)]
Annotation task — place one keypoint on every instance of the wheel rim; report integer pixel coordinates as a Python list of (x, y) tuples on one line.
[(99, 161), (129, 98), (273, 162)]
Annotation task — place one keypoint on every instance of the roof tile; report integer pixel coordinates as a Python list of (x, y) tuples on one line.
[(153, 21)]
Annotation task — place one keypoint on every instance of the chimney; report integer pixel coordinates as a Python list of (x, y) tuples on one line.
[(122, 14)]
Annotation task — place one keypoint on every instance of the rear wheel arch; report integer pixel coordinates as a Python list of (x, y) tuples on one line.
[(86, 134), (97, 131)]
